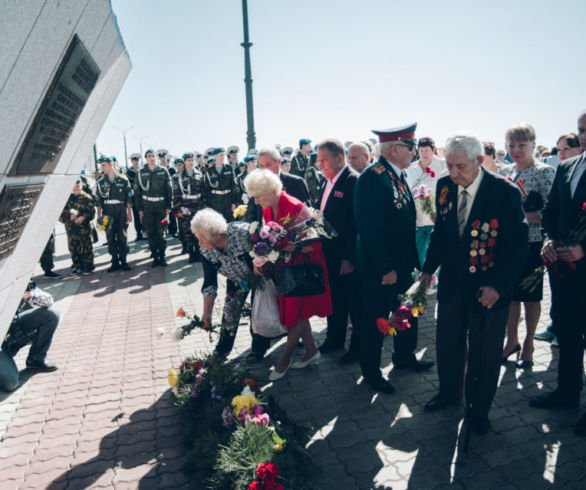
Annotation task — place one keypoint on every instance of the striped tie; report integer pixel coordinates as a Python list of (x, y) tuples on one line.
[(462, 211)]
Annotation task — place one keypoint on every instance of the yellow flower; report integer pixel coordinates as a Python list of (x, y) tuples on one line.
[(105, 220), (240, 401), (240, 211), (392, 331), (278, 448), (173, 377)]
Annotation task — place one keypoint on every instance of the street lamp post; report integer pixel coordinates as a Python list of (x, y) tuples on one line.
[(250, 134), (124, 131)]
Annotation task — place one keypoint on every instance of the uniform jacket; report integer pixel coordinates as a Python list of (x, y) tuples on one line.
[(339, 212), (84, 205), (314, 179), (153, 183), (385, 219), (188, 190), (299, 164), (118, 189), (493, 247)]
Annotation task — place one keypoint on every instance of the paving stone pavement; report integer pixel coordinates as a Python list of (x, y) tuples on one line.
[(105, 419)]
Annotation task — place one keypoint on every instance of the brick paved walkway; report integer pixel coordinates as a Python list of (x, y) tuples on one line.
[(105, 418)]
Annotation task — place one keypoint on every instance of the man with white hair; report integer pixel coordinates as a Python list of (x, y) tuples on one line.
[(480, 240), (358, 156)]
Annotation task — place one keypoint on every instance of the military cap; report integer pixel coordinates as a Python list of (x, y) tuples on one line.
[(253, 151), (162, 151), (240, 164), (211, 160), (104, 158), (208, 151), (288, 150), (249, 158), (113, 158), (197, 154), (150, 150), (402, 133), (218, 150), (187, 155), (135, 156), (178, 160), (233, 149), (304, 141)]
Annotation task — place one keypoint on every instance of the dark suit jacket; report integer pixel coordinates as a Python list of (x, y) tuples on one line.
[(493, 247), (385, 220), (339, 212), (562, 212)]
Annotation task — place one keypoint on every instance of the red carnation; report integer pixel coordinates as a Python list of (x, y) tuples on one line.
[(494, 223), (584, 207), (255, 485), (491, 242), (267, 471), (476, 224)]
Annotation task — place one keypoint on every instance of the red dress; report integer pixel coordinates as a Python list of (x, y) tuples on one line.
[(304, 307)]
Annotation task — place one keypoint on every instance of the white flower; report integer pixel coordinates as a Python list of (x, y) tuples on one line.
[(253, 227), (252, 254), (177, 333), (160, 331), (273, 256), (247, 391)]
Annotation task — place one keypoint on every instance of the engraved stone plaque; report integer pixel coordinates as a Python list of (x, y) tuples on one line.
[(70, 89)]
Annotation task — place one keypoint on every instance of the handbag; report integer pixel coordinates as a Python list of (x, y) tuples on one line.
[(266, 315), (301, 279)]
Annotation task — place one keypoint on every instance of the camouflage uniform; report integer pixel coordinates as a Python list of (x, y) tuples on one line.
[(188, 198), (221, 190), (299, 164), (153, 194), (79, 236), (114, 198), (314, 178)]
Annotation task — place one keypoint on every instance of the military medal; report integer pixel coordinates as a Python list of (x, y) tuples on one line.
[(472, 269), (474, 233)]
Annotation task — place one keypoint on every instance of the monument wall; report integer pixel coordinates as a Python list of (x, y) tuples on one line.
[(62, 65)]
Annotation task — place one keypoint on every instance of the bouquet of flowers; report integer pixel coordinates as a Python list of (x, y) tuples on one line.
[(266, 242), (240, 211), (182, 330), (103, 223), (412, 306), (185, 211), (423, 194), (308, 226)]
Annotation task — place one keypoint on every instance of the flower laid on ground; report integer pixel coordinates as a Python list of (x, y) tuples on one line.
[(240, 211), (265, 242), (422, 193), (268, 474), (412, 306), (245, 400)]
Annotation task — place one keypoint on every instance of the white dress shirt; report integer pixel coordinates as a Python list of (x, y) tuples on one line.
[(416, 176), (472, 190), (330, 183)]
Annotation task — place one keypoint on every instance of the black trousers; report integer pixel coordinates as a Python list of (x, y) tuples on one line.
[(136, 221), (345, 291), (377, 302), (468, 333), (568, 294)]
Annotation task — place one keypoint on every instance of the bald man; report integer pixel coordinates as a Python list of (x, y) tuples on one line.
[(358, 156)]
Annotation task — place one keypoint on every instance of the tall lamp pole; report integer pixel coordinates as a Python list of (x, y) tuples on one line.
[(124, 131), (250, 134)]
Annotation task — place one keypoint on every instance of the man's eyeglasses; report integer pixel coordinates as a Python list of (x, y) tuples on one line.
[(407, 144)]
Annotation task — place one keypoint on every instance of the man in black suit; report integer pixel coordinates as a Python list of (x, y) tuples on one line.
[(336, 202), (270, 159), (480, 240), (564, 213), (385, 218)]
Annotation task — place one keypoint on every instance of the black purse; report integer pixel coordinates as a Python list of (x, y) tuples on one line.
[(302, 279)]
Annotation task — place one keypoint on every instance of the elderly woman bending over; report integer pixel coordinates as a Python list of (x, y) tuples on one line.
[(222, 245), (277, 205)]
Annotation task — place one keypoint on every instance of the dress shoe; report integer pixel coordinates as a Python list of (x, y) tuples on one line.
[(155, 263), (125, 267), (51, 274), (382, 385), (162, 261), (480, 425), (255, 356), (114, 267), (554, 399), (580, 427), (349, 358), (41, 366), (523, 364), (275, 375), (506, 357), (415, 365), (302, 364), (439, 402), (328, 347)]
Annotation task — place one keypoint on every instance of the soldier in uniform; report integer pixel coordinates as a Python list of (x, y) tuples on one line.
[(250, 165), (300, 161), (232, 153), (77, 217), (314, 178), (165, 162), (135, 159), (287, 152), (114, 200), (199, 160), (385, 219), (179, 167), (221, 190), (153, 196), (188, 193)]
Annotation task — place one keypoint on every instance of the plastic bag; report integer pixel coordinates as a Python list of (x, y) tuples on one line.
[(266, 316)]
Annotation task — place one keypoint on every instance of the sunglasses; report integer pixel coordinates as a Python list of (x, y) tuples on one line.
[(407, 144)]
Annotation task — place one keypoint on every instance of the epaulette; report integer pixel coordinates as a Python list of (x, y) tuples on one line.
[(379, 168)]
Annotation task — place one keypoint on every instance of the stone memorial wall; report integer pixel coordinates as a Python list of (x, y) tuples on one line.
[(62, 65)]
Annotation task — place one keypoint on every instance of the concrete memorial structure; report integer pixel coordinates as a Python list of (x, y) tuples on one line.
[(62, 65)]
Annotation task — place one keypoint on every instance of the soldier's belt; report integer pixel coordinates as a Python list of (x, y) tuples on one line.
[(112, 201), (221, 193), (153, 199), (191, 196)]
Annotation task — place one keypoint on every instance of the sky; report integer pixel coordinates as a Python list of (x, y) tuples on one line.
[(325, 68)]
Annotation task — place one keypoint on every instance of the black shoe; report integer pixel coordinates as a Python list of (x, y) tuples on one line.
[(114, 267), (162, 261), (580, 427), (415, 365), (523, 364), (506, 358), (382, 386), (155, 263), (349, 358), (41, 366), (327, 347), (125, 267), (554, 399), (480, 426), (51, 274), (192, 259), (255, 356), (439, 402)]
